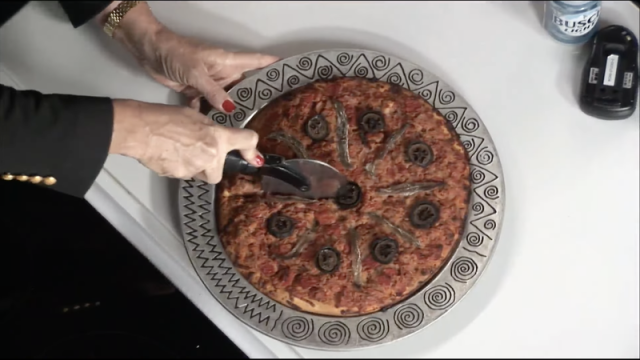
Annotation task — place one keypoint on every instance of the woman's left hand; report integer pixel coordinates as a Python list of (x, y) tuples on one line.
[(184, 64)]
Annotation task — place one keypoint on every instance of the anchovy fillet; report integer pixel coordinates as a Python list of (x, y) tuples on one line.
[(409, 189), (304, 239), (289, 198), (389, 144), (291, 142), (342, 134), (405, 235), (356, 255)]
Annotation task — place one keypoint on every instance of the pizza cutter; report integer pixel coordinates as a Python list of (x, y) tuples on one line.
[(310, 179)]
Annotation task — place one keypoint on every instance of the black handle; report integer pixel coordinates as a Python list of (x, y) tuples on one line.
[(273, 167), (234, 163)]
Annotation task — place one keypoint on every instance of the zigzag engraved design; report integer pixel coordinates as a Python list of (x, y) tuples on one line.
[(223, 277)]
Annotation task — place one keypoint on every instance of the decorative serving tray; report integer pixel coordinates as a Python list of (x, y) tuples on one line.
[(458, 275)]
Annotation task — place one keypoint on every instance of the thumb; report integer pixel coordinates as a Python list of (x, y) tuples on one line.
[(244, 140), (214, 93)]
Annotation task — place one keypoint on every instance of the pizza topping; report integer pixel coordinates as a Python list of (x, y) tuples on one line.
[(291, 142), (342, 134), (348, 196), (304, 239), (328, 260), (280, 226), (317, 128), (356, 257), (288, 199), (388, 145), (403, 234), (419, 153), (384, 250), (371, 122), (424, 214), (410, 189)]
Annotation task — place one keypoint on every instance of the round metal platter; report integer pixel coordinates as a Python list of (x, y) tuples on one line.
[(458, 275)]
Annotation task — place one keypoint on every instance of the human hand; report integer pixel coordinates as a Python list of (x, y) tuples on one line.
[(177, 141), (183, 64)]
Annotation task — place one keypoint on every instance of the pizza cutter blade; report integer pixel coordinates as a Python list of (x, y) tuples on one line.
[(310, 179), (324, 180)]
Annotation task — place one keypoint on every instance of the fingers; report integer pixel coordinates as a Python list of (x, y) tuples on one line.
[(250, 61), (245, 141), (214, 93)]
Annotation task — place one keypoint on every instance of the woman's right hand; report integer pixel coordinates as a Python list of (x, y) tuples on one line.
[(178, 142)]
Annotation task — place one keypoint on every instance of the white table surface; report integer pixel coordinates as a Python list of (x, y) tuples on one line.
[(564, 279)]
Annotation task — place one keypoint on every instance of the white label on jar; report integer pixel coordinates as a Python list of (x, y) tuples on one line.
[(610, 71), (577, 24), (628, 80)]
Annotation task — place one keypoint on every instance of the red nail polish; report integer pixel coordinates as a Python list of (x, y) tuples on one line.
[(228, 106), (259, 160)]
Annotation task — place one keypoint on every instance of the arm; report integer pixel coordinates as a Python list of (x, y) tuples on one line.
[(61, 137)]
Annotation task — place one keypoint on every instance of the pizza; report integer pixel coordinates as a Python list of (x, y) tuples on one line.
[(385, 234)]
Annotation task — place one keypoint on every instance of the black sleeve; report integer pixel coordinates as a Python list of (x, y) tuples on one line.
[(79, 12), (65, 137)]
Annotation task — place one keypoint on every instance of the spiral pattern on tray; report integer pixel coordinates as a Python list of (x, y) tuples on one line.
[(220, 118), (408, 316), (305, 63), (297, 328), (273, 74), (490, 224), (477, 208), (440, 297), (463, 269), (446, 97), (452, 116), (239, 115), (265, 94), (394, 78), (484, 157), (244, 94), (325, 71), (474, 239), (373, 329), (380, 62), (426, 94), (477, 176), (334, 333), (416, 76), (293, 81), (361, 71), (491, 192), (344, 59), (470, 125)]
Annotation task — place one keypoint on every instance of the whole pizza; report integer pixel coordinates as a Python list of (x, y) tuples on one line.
[(386, 233)]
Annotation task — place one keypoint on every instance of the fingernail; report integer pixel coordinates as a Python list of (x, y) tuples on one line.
[(259, 160), (228, 106)]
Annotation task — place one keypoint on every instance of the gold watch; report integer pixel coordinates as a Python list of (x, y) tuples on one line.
[(117, 14)]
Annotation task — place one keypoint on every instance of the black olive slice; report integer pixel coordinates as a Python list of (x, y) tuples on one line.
[(280, 226), (348, 196), (424, 214), (328, 260), (384, 250), (371, 122), (419, 153), (317, 128)]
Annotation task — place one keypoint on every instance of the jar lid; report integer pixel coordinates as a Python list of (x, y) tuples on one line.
[(576, 3)]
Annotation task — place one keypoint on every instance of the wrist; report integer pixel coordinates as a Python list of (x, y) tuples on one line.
[(137, 29), (128, 128)]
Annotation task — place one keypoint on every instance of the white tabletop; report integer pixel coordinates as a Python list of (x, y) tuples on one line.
[(564, 278)]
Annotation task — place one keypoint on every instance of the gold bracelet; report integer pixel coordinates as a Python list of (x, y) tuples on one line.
[(117, 14)]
